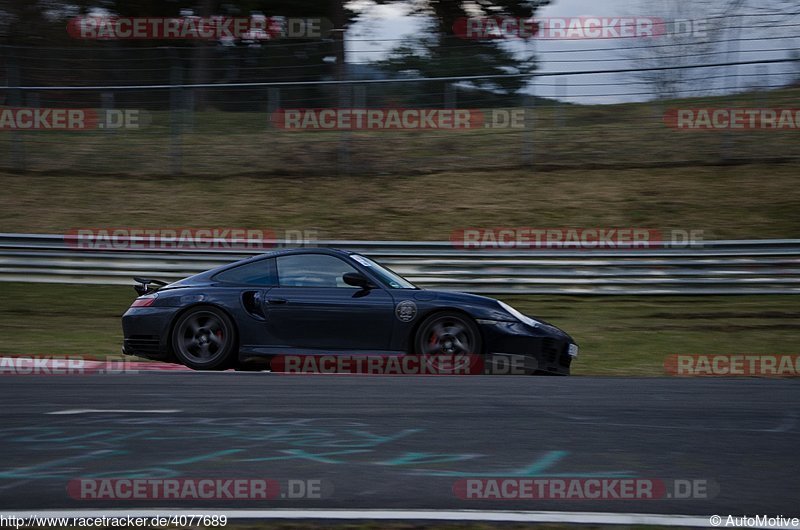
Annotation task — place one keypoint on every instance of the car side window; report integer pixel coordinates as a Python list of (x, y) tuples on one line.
[(261, 273), (312, 270)]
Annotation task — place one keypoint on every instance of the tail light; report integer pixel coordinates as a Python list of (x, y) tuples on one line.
[(145, 301)]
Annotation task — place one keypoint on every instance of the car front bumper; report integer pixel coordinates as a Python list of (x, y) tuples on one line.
[(544, 348)]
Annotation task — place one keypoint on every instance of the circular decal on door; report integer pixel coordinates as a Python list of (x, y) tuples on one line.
[(406, 311)]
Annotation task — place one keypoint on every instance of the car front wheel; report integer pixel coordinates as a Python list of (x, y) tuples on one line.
[(448, 333)]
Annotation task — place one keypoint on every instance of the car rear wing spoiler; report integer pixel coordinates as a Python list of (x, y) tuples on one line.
[(147, 285)]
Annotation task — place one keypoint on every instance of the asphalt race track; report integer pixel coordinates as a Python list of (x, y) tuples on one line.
[(364, 442)]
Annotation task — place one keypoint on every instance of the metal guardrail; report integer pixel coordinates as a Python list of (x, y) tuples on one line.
[(716, 267)]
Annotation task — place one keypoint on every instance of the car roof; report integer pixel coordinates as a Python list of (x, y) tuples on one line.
[(206, 275), (303, 250), (290, 252)]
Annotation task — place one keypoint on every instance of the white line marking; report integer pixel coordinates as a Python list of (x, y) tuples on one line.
[(107, 411), (432, 515)]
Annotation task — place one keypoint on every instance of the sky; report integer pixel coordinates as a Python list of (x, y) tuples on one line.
[(382, 27)]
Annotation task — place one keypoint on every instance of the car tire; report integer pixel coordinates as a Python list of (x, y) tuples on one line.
[(204, 338), (449, 333)]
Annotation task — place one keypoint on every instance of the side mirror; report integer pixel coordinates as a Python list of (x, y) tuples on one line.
[(356, 279)]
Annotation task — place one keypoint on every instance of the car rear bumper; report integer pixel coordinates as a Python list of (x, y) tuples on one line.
[(145, 332)]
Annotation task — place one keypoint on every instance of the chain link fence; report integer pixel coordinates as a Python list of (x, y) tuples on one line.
[(150, 112)]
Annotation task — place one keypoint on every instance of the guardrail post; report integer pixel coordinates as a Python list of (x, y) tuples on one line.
[(15, 100), (175, 120), (345, 137), (527, 135), (107, 102), (189, 111), (273, 103), (359, 102), (561, 95), (450, 96)]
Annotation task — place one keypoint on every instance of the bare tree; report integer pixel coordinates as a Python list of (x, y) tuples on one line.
[(691, 36), (703, 32)]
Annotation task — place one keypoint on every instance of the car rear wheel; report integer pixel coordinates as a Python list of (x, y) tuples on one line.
[(204, 339), (448, 334)]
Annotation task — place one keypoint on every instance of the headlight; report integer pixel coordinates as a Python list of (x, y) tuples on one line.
[(519, 316)]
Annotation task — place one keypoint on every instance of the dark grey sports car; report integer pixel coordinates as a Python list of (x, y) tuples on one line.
[(315, 301)]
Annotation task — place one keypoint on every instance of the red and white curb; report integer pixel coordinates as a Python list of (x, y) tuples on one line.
[(71, 365)]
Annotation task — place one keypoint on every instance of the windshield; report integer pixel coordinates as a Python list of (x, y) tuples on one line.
[(387, 276)]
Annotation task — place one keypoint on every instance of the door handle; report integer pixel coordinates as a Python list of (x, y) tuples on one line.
[(276, 301)]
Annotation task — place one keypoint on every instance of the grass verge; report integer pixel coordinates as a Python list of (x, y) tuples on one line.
[(743, 202)]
